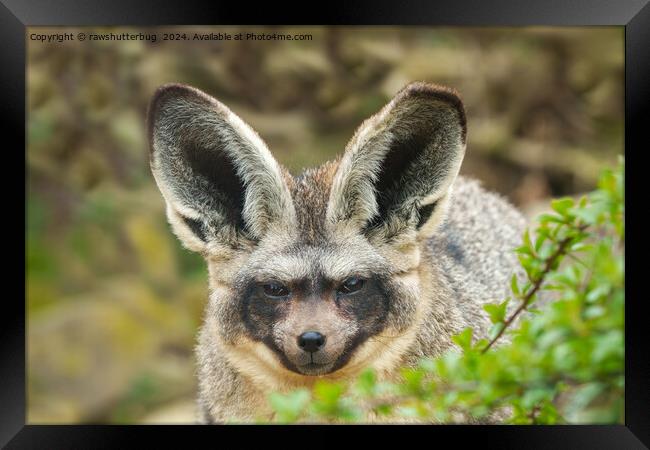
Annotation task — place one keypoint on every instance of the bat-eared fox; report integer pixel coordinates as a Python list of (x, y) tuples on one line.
[(373, 260)]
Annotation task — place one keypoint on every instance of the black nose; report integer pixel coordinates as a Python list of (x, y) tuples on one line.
[(311, 341)]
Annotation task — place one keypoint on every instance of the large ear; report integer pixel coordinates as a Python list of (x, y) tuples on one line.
[(219, 180), (397, 171)]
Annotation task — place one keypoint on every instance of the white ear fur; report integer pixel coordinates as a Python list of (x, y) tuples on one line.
[(184, 233), (352, 197), (427, 229)]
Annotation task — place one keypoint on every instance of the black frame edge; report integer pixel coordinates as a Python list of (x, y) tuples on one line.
[(12, 328), (370, 12), (637, 111), (506, 437)]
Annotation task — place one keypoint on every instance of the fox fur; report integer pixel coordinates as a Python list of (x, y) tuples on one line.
[(427, 247)]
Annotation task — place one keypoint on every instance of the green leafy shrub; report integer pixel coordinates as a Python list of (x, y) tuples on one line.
[(562, 362)]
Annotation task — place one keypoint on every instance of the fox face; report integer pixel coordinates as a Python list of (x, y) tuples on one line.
[(315, 275)]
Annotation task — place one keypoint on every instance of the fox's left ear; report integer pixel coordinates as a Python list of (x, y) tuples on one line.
[(221, 184), (397, 171)]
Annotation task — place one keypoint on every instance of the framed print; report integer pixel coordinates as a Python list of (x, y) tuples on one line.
[(371, 219)]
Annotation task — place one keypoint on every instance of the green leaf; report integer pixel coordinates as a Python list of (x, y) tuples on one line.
[(367, 382), (427, 364), (562, 205), (527, 241), (546, 251), (523, 250), (289, 407), (525, 261), (514, 285), (413, 376), (328, 391), (497, 311), (580, 247), (541, 238), (589, 216), (384, 409), (533, 397), (598, 292), (550, 218), (464, 339), (408, 411), (595, 311)]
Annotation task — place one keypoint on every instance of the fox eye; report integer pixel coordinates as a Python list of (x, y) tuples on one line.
[(275, 290), (350, 285)]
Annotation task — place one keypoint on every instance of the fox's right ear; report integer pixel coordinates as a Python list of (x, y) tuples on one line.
[(397, 171), (219, 180)]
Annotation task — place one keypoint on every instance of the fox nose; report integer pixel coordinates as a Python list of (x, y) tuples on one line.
[(311, 341)]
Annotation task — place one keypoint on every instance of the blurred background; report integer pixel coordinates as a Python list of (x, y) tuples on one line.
[(114, 302)]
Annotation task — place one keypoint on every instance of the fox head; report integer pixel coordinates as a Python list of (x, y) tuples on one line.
[(316, 275)]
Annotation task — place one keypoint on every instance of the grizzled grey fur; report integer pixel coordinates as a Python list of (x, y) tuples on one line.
[(382, 254)]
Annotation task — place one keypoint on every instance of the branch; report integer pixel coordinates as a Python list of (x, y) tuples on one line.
[(536, 287)]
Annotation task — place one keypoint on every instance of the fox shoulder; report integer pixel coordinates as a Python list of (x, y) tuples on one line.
[(474, 248)]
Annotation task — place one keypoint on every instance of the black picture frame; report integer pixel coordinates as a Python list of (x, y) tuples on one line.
[(633, 15)]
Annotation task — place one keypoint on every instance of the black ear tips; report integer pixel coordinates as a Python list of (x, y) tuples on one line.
[(162, 94), (170, 92), (177, 90), (438, 93)]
